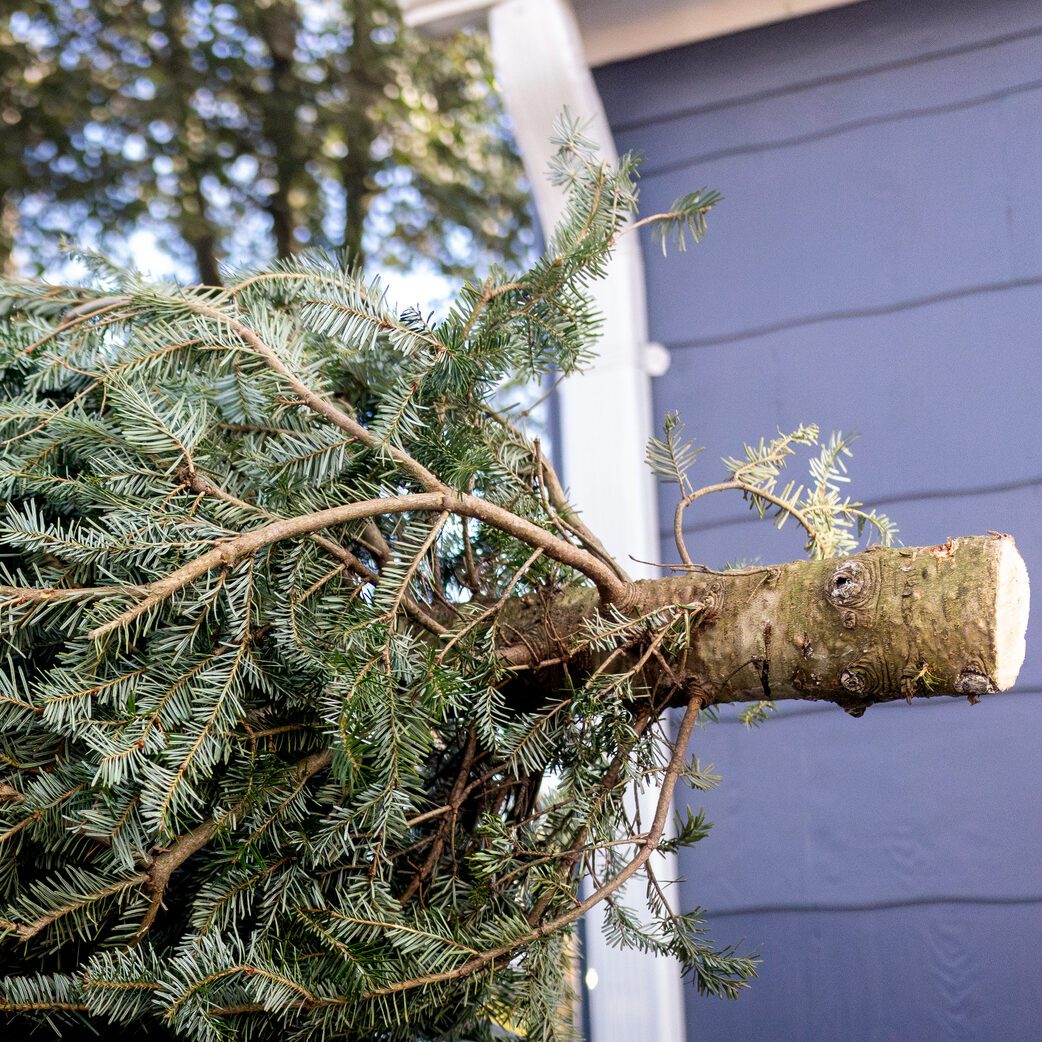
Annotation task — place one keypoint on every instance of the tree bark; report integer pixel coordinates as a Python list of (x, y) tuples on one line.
[(356, 168), (884, 624), (278, 109), (193, 223), (8, 232)]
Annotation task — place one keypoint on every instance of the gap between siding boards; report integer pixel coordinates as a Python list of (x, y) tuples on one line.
[(873, 502), (869, 311), (874, 906)]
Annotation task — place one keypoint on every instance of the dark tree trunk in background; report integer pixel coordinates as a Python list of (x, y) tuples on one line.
[(205, 250), (355, 169), (279, 119), (195, 227), (8, 230)]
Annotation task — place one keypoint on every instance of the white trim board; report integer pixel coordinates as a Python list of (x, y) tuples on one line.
[(614, 30)]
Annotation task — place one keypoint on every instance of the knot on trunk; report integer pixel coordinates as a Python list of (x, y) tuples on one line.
[(850, 585)]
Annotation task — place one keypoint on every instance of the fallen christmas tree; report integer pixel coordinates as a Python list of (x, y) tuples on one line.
[(320, 699)]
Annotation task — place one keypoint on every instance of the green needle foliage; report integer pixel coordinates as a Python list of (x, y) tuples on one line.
[(274, 761)]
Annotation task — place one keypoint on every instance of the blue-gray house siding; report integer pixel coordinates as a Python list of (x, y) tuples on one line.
[(876, 266)]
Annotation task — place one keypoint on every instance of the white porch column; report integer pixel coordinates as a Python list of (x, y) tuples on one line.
[(605, 418)]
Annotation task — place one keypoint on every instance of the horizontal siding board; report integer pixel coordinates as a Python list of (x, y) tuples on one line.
[(887, 218), (943, 397), (917, 92), (906, 803), (969, 968)]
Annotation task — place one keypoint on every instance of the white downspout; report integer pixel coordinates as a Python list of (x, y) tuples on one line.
[(605, 416)]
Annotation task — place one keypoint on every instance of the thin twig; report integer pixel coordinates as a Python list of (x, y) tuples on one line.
[(731, 486)]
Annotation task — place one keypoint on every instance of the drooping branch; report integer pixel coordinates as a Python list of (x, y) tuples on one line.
[(589, 557), (237, 548), (730, 486), (558, 505), (175, 854), (348, 561)]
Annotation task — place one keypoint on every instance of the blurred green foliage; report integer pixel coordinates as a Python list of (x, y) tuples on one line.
[(241, 132)]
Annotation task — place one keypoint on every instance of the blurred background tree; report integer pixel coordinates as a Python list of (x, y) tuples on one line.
[(234, 133)]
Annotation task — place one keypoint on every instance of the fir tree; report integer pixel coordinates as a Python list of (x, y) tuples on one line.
[(319, 698)]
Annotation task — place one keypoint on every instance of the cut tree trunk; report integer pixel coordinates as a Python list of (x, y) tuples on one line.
[(884, 624)]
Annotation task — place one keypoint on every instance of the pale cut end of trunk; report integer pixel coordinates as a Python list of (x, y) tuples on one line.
[(887, 623), (1012, 601)]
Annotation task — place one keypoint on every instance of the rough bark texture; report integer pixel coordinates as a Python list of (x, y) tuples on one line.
[(885, 624)]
